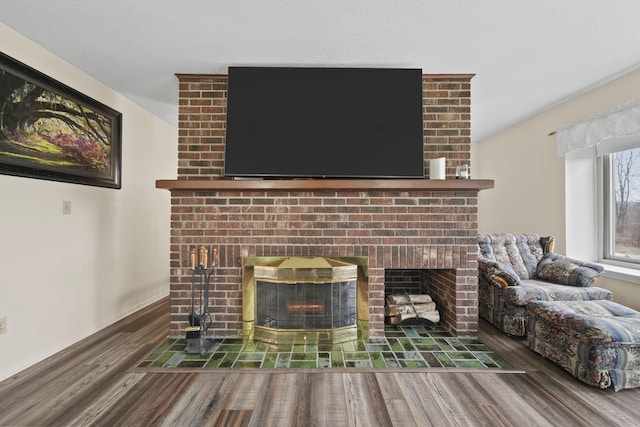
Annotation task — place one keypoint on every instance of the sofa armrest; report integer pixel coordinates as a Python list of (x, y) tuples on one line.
[(498, 273), (563, 270)]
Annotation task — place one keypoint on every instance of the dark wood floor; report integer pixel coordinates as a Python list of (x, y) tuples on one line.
[(93, 383)]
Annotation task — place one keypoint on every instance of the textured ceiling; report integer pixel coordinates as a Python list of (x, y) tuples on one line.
[(526, 56)]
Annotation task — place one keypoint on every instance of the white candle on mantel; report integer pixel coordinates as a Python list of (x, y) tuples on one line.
[(437, 168)]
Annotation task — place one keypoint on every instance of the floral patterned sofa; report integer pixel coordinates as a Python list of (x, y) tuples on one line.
[(598, 342), (517, 268)]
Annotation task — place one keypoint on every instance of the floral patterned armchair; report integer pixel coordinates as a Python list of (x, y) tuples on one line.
[(517, 268)]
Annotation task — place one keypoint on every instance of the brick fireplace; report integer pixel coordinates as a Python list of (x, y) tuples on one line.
[(429, 226)]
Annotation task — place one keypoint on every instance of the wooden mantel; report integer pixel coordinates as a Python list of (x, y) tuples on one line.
[(327, 184)]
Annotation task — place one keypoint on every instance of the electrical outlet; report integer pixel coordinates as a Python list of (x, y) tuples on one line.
[(3, 325), (66, 207)]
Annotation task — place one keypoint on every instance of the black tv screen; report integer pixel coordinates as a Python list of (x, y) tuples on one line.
[(324, 122)]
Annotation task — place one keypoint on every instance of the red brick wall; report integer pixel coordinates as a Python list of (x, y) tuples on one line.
[(396, 229), (202, 120)]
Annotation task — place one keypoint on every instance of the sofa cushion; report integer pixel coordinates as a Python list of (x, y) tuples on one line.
[(521, 251), (537, 290), (596, 322), (567, 271)]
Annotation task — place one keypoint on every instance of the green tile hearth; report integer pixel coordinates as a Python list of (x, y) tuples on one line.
[(402, 347)]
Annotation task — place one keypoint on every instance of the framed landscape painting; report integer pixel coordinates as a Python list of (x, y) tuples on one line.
[(51, 131)]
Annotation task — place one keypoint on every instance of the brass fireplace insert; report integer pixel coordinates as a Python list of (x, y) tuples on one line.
[(300, 300)]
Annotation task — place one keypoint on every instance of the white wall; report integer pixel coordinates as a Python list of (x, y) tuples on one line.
[(64, 277), (531, 194)]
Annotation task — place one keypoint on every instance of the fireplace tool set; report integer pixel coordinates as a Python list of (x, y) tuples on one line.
[(200, 320)]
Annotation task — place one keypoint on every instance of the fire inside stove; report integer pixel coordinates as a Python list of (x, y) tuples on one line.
[(302, 300)]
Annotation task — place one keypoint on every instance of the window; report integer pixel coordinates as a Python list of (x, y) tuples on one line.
[(610, 141), (619, 173)]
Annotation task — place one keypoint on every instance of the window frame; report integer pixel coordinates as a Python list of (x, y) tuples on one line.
[(605, 190)]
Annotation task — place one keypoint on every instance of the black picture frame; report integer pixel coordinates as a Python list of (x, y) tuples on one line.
[(51, 131)]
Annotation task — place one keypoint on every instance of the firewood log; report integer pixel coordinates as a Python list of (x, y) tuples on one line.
[(406, 299), (432, 316), (395, 309)]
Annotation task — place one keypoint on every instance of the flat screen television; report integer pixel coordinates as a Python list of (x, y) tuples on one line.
[(310, 122)]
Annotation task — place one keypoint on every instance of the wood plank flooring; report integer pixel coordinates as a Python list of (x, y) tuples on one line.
[(91, 384)]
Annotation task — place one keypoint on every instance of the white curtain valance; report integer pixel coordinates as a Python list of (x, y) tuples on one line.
[(620, 123)]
